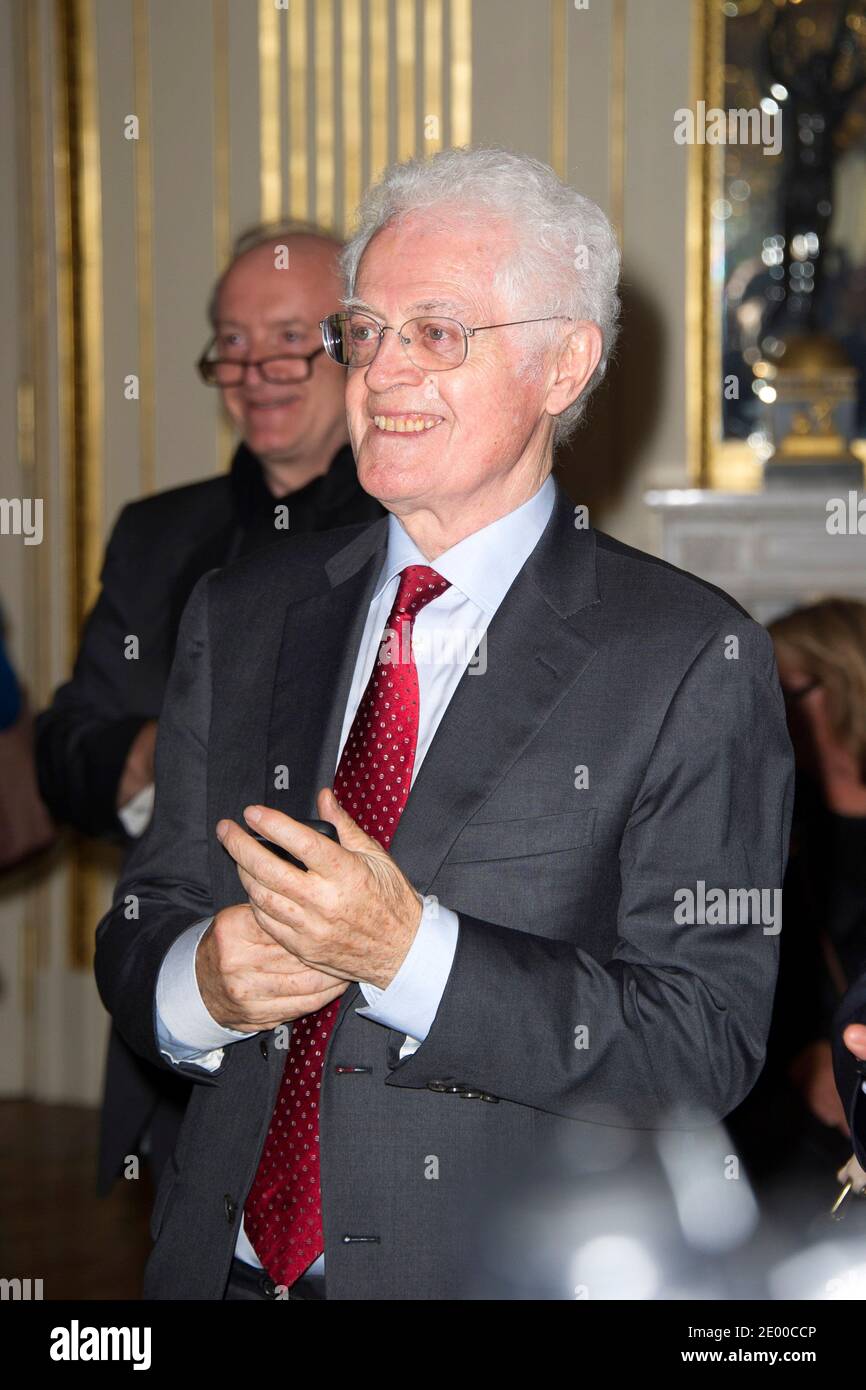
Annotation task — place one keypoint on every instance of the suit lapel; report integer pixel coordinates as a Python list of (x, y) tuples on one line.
[(320, 641), (321, 635), (292, 638), (534, 657)]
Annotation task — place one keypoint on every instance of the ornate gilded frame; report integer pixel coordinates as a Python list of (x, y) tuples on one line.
[(726, 465)]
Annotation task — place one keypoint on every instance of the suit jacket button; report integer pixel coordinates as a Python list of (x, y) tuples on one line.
[(263, 1047), (231, 1208), (437, 1085)]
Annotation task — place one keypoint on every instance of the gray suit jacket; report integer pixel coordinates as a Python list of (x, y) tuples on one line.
[(600, 657)]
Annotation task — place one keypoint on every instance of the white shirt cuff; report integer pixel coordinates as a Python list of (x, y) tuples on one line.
[(134, 815), (410, 1002), (185, 1029)]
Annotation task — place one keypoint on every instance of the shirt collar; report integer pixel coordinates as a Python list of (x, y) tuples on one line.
[(482, 566)]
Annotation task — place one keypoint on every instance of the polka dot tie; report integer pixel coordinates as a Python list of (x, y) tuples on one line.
[(283, 1211)]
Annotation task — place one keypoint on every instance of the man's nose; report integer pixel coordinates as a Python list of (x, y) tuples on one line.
[(252, 375), (391, 366)]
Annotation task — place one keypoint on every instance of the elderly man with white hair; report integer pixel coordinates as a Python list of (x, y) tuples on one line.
[(465, 818)]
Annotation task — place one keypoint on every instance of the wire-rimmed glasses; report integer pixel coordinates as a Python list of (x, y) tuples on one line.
[(431, 343)]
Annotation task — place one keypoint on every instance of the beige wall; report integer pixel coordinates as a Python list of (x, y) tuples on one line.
[(591, 90), (651, 404)]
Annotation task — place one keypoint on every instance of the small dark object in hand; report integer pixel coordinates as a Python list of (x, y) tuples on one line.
[(323, 827)]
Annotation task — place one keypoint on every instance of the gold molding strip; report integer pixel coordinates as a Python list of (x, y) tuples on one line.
[(91, 383), (270, 147), (617, 118), (559, 87), (78, 215), (432, 81), (222, 133), (33, 387), (703, 382), (144, 246), (324, 98), (62, 143), (79, 257), (298, 62), (221, 183), (696, 266), (406, 60), (461, 72), (32, 421), (350, 47), (379, 88), (62, 140)]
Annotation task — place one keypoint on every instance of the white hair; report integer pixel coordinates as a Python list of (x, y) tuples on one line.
[(567, 259)]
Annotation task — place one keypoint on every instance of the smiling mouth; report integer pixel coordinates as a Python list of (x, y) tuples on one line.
[(272, 405), (406, 424)]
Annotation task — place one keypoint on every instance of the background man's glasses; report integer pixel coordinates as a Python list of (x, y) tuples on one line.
[(284, 370), (431, 344)]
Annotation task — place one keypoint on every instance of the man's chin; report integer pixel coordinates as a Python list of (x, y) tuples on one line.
[(272, 448), (391, 481)]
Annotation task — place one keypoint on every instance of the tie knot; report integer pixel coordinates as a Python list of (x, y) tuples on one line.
[(419, 585)]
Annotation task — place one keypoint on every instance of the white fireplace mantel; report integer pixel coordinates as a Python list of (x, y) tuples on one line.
[(771, 550)]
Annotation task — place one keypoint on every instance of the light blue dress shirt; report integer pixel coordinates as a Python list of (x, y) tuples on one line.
[(447, 633)]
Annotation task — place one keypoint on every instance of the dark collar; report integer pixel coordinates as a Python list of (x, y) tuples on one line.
[(254, 503)]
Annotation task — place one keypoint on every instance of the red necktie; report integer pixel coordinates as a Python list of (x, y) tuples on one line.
[(283, 1211)]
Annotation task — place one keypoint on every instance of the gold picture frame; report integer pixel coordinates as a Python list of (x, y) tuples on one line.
[(714, 462)]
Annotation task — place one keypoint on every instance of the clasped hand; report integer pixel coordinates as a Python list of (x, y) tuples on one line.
[(303, 936)]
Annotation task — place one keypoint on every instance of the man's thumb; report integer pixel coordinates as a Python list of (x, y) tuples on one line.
[(351, 835), (854, 1038)]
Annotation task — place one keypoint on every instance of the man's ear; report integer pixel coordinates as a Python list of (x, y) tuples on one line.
[(578, 357)]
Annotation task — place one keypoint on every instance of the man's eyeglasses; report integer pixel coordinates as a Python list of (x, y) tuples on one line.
[(283, 370), (432, 344)]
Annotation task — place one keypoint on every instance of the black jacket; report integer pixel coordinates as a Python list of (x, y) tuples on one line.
[(159, 548)]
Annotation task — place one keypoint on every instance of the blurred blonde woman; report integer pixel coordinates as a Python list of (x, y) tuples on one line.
[(821, 654), (792, 1130)]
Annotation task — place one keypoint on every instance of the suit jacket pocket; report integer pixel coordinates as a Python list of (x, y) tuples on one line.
[(513, 839)]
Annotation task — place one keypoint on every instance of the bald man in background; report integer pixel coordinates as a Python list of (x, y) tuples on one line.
[(292, 472)]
